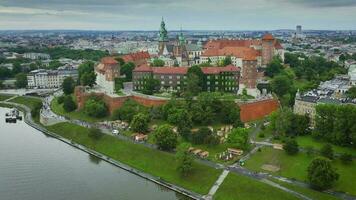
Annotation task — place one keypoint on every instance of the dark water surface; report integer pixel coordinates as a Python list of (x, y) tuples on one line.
[(35, 167)]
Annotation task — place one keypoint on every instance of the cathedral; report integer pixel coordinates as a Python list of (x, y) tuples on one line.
[(175, 50)]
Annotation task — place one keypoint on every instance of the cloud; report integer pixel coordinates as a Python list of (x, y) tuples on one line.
[(323, 3), (36, 11)]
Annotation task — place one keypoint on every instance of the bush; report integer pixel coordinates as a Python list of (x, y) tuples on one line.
[(346, 158), (95, 107), (327, 151), (321, 174), (291, 147)]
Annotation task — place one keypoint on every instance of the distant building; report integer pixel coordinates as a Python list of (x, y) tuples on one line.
[(106, 72), (173, 78), (328, 92), (42, 78), (37, 56), (250, 55), (299, 30), (137, 58)]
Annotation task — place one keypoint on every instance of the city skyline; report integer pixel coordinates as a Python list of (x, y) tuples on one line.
[(197, 15)]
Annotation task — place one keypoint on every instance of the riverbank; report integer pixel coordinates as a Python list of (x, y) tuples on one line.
[(140, 160)]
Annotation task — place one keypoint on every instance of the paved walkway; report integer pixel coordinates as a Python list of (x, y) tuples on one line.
[(217, 184)]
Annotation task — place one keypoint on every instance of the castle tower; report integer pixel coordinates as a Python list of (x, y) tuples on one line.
[(267, 48), (163, 38)]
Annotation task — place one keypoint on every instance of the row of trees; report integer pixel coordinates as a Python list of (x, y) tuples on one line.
[(336, 124), (284, 122)]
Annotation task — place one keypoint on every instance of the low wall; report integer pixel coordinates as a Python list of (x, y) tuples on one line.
[(257, 110), (249, 111), (114, 103)]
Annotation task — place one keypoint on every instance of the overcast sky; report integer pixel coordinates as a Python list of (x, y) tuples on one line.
[(190, 14)]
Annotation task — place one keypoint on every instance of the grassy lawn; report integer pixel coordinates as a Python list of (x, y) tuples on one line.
[(241, 187), (26, 100), (313, 194), (296, 167), (157, 163), (80, 115), (3, 97), (305, 141)]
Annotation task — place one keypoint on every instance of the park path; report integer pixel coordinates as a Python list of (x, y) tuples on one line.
[(273, 184), (217, 184), (9, 99)]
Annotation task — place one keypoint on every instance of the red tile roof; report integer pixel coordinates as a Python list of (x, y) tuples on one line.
[(108, 61), (143, 68), (246, 53), (268, 36), (170, 70), (219, 44), (142, 55), (217, 70)]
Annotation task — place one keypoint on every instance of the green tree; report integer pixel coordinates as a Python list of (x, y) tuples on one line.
[(151, 85), (88, 79), (274, 67), (68, 85), (128, 110), (184, 160), (226, 61), (291, 147), (165, 138), (21, 80), (321, 174), (196, 81), (126, 69), (200, 137), (95, 107), (351, 93), (54, 64), (157, 62), (281, 85), (69, 104), (239, 138), (1, 84), (86, 74), (139, 123), (327, 151)]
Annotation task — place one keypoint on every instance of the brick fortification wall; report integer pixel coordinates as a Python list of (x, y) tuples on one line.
[(114, 103), (257, 110), (249, 111)]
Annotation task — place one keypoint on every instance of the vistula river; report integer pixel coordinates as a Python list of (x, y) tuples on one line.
[(36, 167)]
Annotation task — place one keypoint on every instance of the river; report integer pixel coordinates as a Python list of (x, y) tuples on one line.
[(35, 167)]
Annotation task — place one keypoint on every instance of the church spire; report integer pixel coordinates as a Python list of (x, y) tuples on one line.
[(163, 33)]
